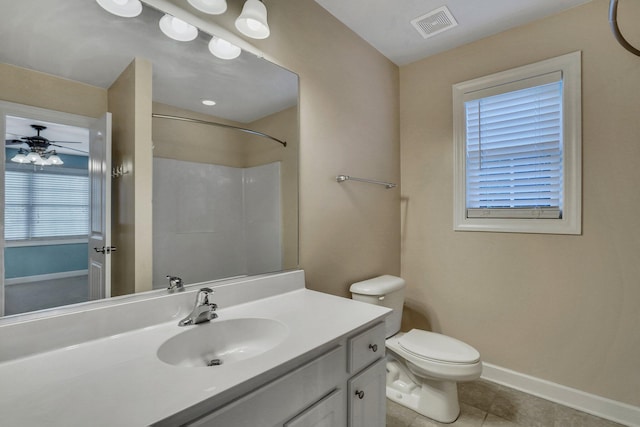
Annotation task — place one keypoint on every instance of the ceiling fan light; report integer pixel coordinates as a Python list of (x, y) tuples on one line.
[(40, 162), (20, 158), (33, 157), (177, 29), (211, 7), (55, 160), (252, 22), (123, 8), (223, 49)]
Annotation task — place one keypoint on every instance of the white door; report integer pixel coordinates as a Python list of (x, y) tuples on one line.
[(100, 249)]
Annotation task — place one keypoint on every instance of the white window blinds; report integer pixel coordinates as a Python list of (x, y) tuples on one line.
[(41, 204), (514, 149)]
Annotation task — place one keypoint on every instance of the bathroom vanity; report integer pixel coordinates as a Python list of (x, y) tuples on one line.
[(280, 355)]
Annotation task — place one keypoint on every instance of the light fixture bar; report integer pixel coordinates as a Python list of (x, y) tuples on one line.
[(167, 6)]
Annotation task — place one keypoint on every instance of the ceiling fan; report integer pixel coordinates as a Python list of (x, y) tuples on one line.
[(38, 152)]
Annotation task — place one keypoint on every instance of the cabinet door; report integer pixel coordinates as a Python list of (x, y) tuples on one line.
[(367, 399), (329, 412)]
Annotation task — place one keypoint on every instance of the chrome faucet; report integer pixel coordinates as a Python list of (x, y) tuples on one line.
[(203, 310), (175, 283)]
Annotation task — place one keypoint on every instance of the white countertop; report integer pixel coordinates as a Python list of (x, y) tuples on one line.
[(119, 381)]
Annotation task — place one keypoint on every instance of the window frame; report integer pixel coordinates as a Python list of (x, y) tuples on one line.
[(571, 222)]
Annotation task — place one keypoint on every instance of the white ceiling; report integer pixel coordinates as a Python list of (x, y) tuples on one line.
[(386, 24)]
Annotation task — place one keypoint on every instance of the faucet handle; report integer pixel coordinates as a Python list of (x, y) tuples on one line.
[(175, 283), (203, 296)]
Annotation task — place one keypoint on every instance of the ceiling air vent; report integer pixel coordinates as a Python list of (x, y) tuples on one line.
[(434, 22)]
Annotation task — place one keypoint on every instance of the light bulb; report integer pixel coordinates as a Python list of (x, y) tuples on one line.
[(123, 8), (223, 49), (177, 29), (33, 157), (19, 158), (54, 159), (212, 7), (254, 25), (252, 22)]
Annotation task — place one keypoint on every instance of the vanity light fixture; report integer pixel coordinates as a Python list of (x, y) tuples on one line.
[(123, 8), (223, 49), (211, 7), (177, 29), (252, 22)]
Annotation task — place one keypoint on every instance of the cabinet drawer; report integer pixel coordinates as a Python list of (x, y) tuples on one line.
[(283, 398), (366, 348)]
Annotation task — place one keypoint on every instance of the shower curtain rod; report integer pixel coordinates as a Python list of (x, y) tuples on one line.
[(613, 21), (204, 122)]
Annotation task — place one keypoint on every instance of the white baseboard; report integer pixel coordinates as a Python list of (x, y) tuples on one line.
[(590, 403), (41, 277)]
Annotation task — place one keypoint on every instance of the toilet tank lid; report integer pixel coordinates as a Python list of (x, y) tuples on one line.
[(380, 285)]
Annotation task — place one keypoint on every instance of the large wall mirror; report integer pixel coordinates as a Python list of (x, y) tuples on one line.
[(207, 198)]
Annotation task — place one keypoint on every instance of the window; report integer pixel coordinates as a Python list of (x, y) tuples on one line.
[(46, 204), (517, 148)]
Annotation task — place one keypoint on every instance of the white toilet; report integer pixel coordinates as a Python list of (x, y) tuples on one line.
[(423, 368)]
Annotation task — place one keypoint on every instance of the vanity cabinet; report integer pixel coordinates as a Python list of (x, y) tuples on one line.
[(343, 387)]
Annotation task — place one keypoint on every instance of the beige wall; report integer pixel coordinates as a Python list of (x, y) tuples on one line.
[(348, 125), (131, 219), (281, 125), (196, 143), (561, 308), (24, 86)]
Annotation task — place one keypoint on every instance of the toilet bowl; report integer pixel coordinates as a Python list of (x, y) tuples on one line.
[(423, 368)]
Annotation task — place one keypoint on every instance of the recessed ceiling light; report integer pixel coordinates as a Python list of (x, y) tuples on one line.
[(208, 102)]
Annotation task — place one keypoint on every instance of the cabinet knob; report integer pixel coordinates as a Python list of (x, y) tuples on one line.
[(360, 394), (373, 347)]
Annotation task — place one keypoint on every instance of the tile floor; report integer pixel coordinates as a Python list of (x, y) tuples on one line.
[(486, 404)]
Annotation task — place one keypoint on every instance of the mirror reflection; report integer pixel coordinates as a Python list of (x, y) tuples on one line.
[(187, 199)]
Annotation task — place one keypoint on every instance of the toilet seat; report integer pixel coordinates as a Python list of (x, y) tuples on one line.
[(428, 362), (437, 347)]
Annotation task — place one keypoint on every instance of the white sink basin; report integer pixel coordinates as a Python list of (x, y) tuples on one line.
[(222, 342)]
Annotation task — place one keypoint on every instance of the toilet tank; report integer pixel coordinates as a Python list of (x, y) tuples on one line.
[(387, 291)]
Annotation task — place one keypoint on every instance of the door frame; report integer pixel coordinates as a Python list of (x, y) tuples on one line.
[(35, 113)]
